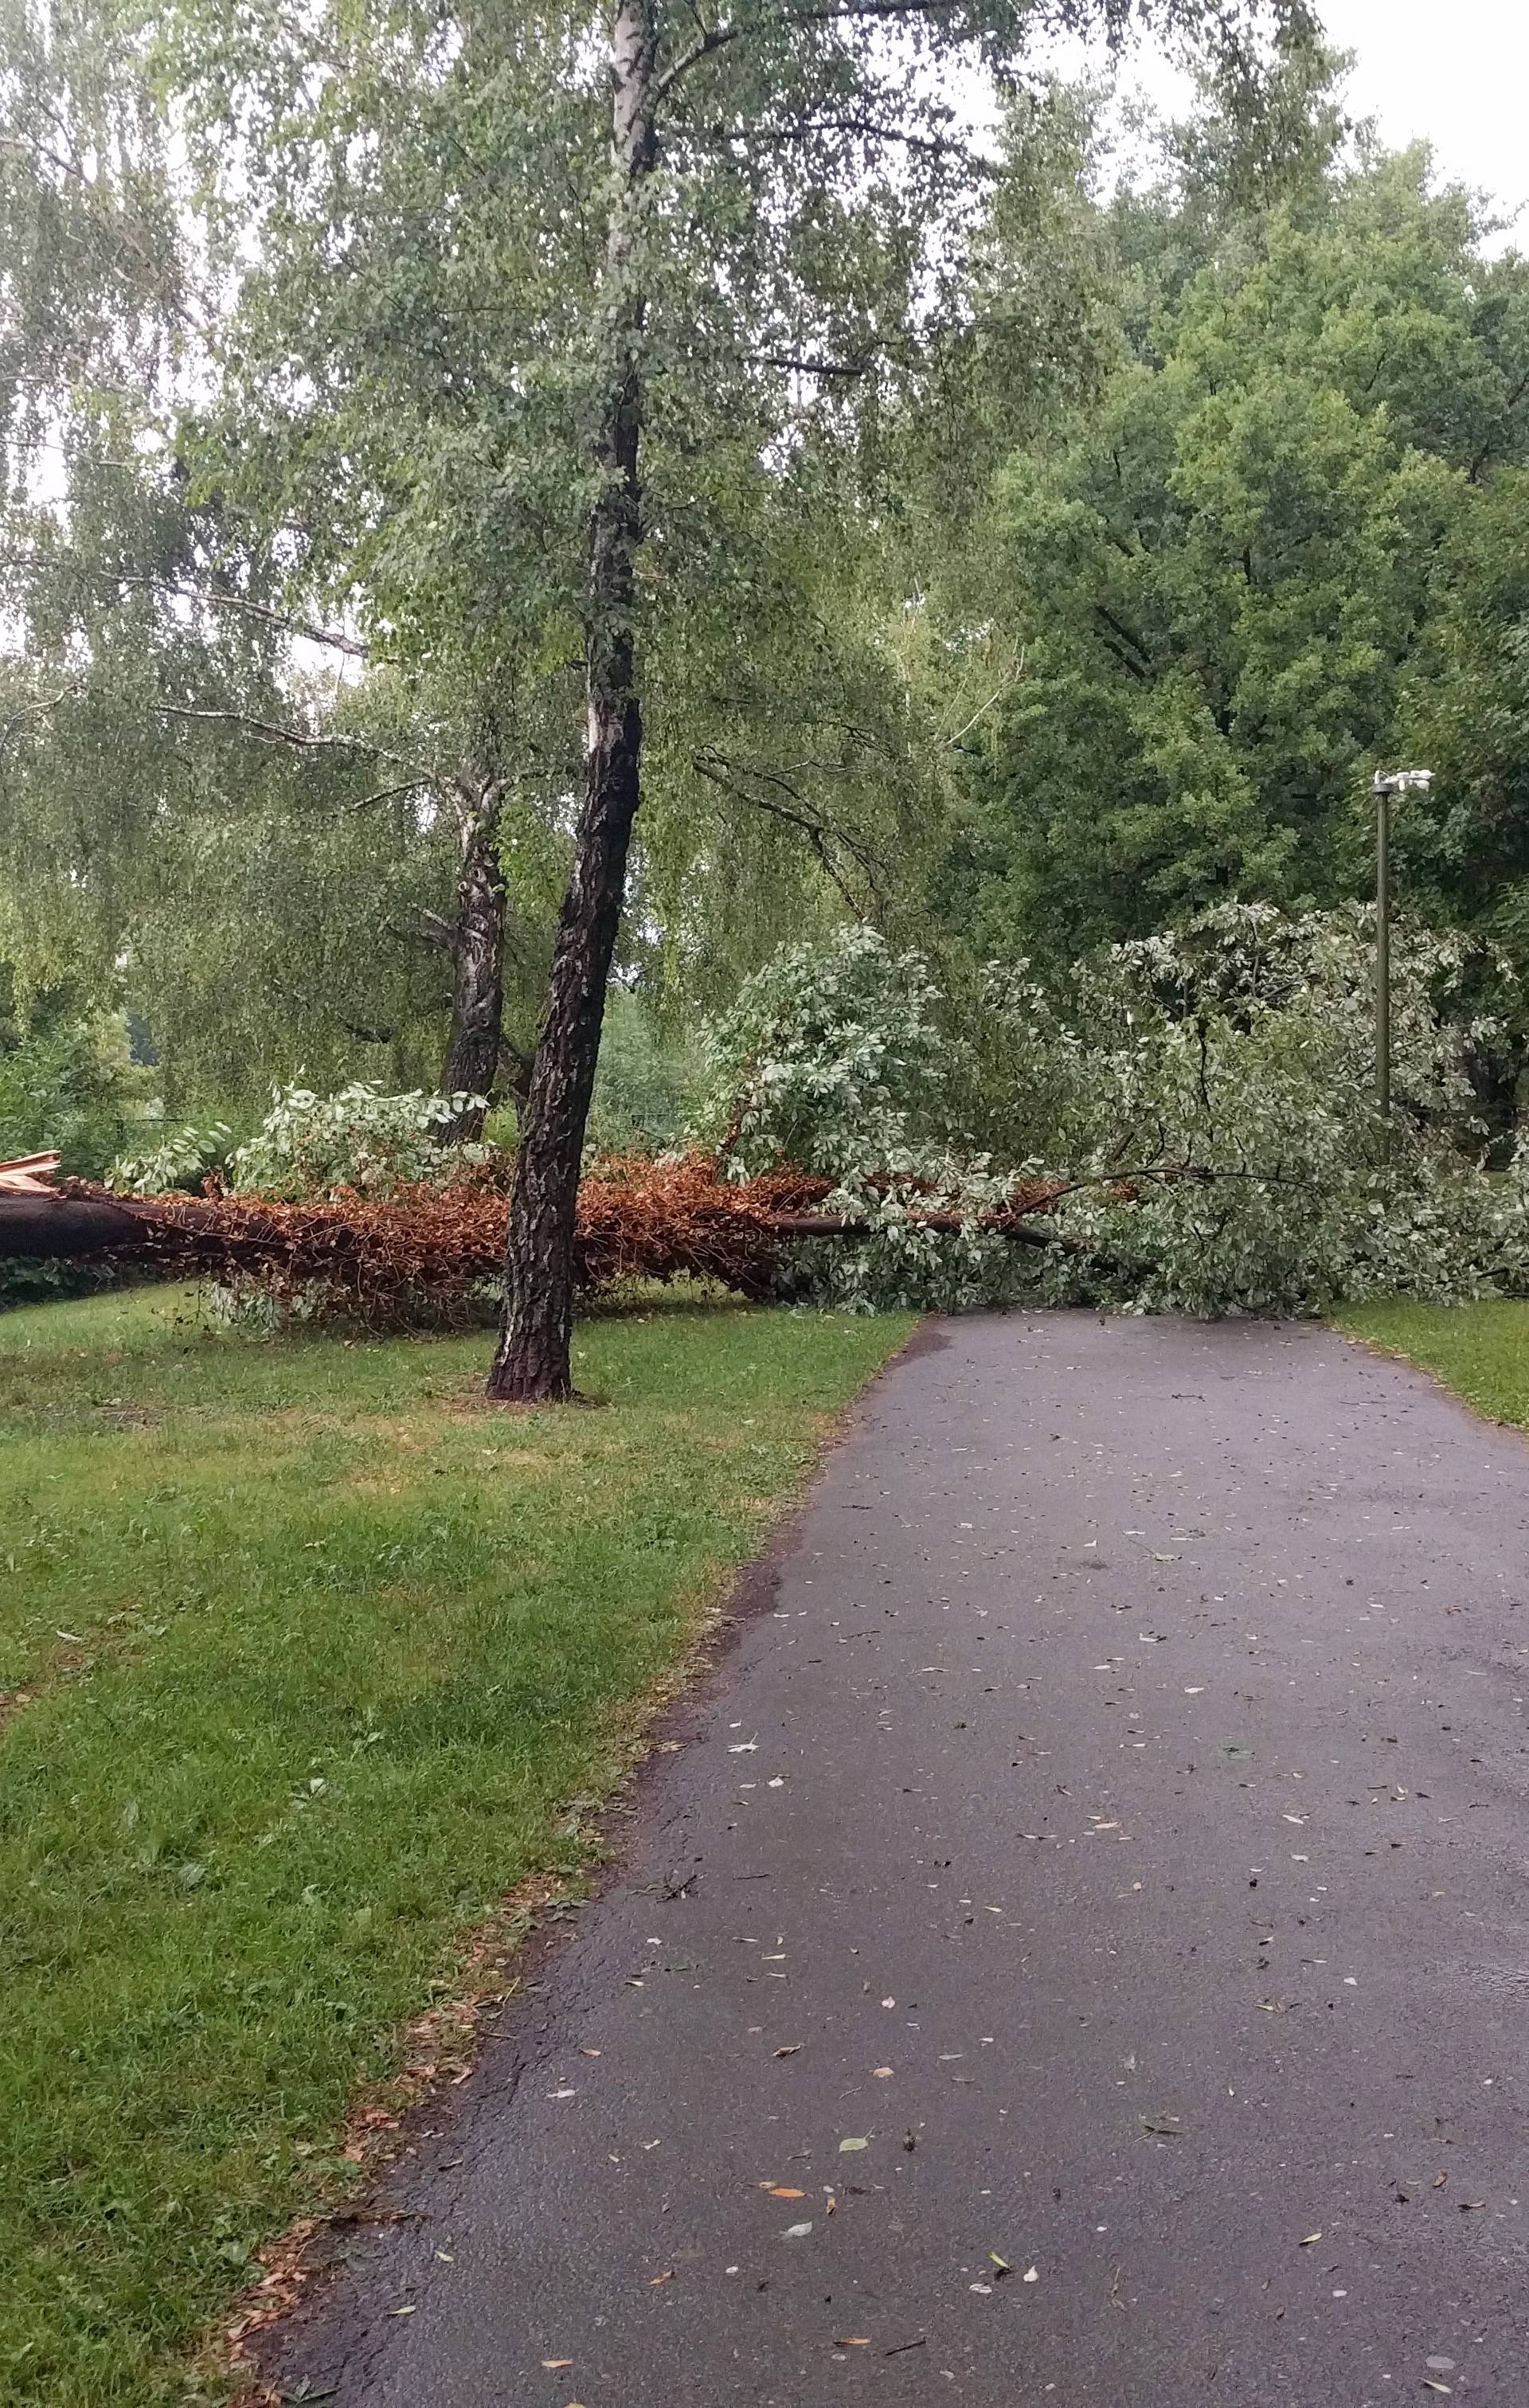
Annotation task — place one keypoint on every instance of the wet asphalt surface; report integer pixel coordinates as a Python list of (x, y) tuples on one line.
[(1095, 1880)]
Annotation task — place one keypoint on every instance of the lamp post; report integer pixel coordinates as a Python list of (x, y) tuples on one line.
[(1396, 781)]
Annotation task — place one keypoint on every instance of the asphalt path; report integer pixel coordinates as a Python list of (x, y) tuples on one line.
[(1072, 1950)]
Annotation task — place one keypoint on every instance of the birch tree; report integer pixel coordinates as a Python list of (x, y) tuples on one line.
[(526, 332)]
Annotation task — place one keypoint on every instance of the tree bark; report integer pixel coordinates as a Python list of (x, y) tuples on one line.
[(478, 959), (531, 1362)]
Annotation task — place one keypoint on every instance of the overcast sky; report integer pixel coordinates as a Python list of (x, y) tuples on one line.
[(1456, 71)]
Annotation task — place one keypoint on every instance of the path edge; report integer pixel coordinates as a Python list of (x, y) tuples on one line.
[(302, 2264)]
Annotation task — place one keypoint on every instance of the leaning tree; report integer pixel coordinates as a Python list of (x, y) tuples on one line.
[(768, 223), (531, 327)]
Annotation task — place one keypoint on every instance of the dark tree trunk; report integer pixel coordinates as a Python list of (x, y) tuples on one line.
[(477, 961), (531, 1365)]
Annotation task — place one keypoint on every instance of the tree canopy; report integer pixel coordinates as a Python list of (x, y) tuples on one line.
[(1239, 573), (429, 438)]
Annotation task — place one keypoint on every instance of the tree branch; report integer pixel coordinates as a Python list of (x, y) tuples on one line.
[(819, 832), (390, 794), (355, 646), (520, 1071), (782, 136), (334, 637), (31, 711), (270, 731), (1122, 631), (807, 365), (717, 37)]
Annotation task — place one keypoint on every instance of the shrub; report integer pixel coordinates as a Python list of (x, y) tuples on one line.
[(311, 1146), (830, 1057)]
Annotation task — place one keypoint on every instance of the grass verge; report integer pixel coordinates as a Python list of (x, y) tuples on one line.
[(1481, 1351), (304, 1652)]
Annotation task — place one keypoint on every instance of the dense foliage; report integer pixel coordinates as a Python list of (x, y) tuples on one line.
[(69, 1083), (359, 1141), (1038, 566), (1255, 568), (1198, 1106)]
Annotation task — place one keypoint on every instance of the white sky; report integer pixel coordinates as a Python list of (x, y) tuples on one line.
[(1456, 72)]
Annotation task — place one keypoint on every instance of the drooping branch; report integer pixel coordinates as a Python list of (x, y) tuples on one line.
[(213, 597), (769, 791), (335, 639)]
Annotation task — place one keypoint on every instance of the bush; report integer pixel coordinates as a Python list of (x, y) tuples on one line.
[(361, 1140), (72, 1085), (830, 1057)]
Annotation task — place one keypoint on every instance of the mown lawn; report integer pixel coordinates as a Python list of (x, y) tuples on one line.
[(310, 1650), (1481, 1350)]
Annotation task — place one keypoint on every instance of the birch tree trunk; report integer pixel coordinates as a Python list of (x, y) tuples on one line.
[(531, 1364), (478, 957)]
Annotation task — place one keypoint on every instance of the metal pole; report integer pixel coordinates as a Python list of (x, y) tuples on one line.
[(1382, 962)]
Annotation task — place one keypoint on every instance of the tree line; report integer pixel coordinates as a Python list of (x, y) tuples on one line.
[(495, 506)]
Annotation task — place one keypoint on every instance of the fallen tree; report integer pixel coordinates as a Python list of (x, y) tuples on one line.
[(430, 1251), (1192, 1127)]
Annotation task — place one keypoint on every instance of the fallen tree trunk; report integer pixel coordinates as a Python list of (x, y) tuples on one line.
[(79, 1220), (65, 1227), (437, 1247)]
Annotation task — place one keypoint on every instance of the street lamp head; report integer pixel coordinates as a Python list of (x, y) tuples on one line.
[(1403, 782)]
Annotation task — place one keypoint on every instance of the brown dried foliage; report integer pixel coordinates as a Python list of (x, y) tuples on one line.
[(429, 1254)]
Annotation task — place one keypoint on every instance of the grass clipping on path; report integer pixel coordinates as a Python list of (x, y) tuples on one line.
[(305, 1654), (1481, 1351)]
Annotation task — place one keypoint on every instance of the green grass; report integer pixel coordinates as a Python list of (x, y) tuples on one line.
[(1481, 1350), (314, 1650)]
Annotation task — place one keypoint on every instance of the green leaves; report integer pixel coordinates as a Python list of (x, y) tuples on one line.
[(1191, 1122), (1226, 575), (829, 1060)]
